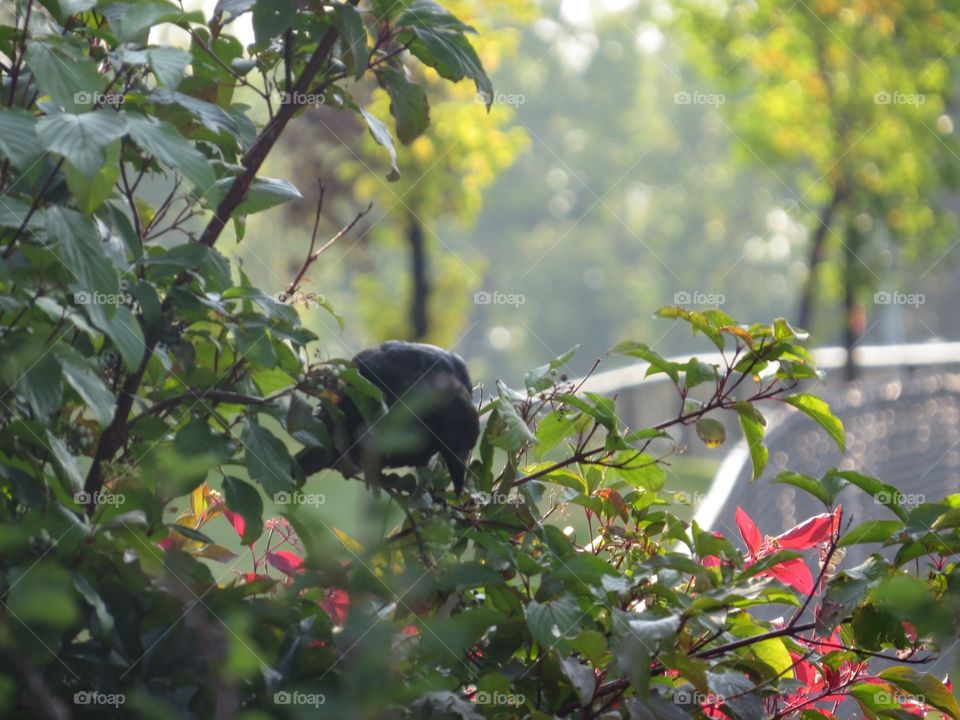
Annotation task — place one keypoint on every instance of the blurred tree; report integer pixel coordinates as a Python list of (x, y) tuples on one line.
[(415, 285), (847, 103)]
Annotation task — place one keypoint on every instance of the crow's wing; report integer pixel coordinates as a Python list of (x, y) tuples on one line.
[(396, 367)]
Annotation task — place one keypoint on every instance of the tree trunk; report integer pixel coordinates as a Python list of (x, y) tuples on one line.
[(817, 249), (419, 318), (851, 311)]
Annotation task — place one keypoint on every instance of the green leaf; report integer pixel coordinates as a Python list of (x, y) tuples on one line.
[(711, 432), (640, 470), (133, 22), (883, 494), (267, 459), (651, 630), (805, 483), (63, 72), (774, 654), (91, 192), (551, 430), (254, 344), (353, 37), (554, 622), (871, 531), (438, 40), (127, 336), (657, 362), (379, 132), (66, 463), (582, 678), (925, 686), (41, 593), (213, 117), (271, 18), (244, 499), (81, 376), (18, 139), (745, 701), (38, 377), (82, 139), (697, 372), (168, 64), (506, 429), (263, 193), (542, 377), (408, 104), (79, 247), (820, 412), (752, 424), (165, 142)]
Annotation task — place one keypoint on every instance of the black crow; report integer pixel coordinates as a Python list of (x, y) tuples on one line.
[(429, 410)]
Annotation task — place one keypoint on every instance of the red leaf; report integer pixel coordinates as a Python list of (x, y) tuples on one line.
[(285, 561), (748, 531), (794, 573), (410, 631), (814, 531), (236, 520), (336, 604)]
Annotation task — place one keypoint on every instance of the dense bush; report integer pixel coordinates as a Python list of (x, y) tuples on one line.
[(149, 392)]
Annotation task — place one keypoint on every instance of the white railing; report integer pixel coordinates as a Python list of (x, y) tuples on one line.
[(827, 358)]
